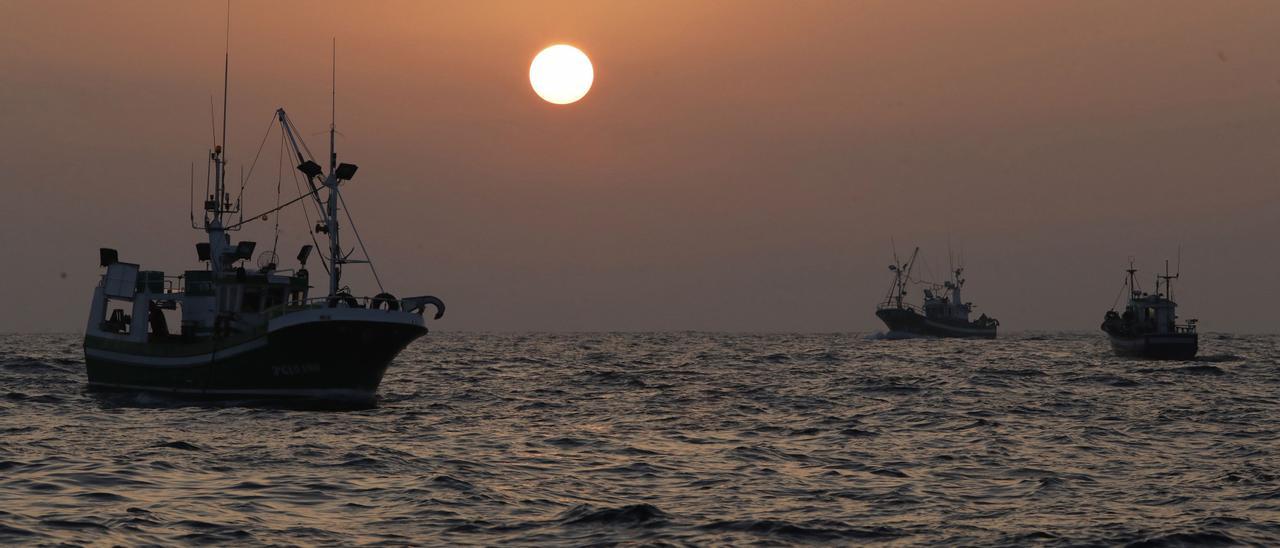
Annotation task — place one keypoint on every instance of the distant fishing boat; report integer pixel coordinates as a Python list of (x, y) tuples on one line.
[(1148, 327), (944, 313), (251, 331)]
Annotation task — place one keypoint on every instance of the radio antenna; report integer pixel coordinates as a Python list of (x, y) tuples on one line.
[(226, 76)]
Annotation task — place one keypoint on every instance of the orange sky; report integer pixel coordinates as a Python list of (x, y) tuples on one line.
[(736, 166)]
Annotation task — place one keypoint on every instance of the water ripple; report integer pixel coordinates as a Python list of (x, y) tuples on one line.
[(668, 438)]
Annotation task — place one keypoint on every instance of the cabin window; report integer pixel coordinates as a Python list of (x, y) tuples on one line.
[(157, 318), (275, 297), (229, 298), (252, 301), (117, 322)]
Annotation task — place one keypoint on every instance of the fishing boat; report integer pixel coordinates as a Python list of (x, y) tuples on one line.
[(252, 330), (1148, 327), (943, 314)]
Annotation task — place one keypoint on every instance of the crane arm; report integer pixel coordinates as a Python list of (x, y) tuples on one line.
[(307, 166), (911, 263)]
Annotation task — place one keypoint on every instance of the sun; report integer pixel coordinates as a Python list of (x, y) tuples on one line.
[(561, 74)]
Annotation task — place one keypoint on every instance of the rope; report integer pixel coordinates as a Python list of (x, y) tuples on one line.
[(245, 179), (298, 135), (279, 179), (1121, 293), (310, 227), (352, 222), (270, 211)]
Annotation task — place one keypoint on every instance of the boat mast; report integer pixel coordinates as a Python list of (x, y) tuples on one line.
[(331, 218), (906, 276), (219, 203), (1168, 280), (1133, 288), (317, 178)]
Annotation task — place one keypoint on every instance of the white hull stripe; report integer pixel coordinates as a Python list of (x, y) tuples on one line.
[(319, 393), (322, 315), (175, 361)]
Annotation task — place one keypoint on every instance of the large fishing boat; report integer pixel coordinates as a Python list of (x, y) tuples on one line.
[(251, 330), (944, 313), (1148, 327)]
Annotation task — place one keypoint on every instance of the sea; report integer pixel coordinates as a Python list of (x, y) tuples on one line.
[(668, 439)]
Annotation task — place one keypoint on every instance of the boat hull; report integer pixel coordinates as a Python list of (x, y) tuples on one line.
[(1168, 346), (339, 361), (901, 320)]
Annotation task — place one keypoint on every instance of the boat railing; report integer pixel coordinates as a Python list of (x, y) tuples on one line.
[(892, 305), (343, 301), (172, 284), (1189, 328)]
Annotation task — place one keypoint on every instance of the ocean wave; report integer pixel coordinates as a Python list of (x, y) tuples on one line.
[(808, 531), (1185, 540), (667, 439), (633, 515), (179, 444), (1219, 358)]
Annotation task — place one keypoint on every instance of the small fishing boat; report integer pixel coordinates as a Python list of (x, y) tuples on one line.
[(251, 330), (1148, 327), (944, 312)]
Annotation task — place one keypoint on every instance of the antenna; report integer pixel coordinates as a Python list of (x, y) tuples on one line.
[(218, 203), (191, 203), (226, 73), (333, 106), (1168, 278), (213, 123), (239, 208)]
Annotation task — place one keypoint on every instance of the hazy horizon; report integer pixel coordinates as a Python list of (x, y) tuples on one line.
[(736, 167)]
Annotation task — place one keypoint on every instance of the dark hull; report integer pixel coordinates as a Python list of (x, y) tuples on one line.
[(338, 361), (901, 320), (1173, 346)]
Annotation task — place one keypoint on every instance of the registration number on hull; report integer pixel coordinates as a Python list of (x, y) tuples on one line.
[(293, 370)]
